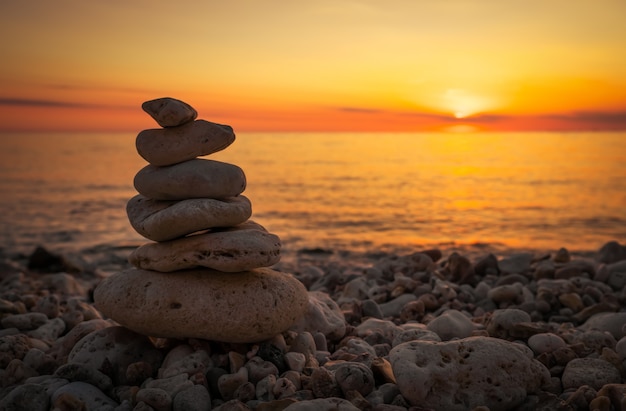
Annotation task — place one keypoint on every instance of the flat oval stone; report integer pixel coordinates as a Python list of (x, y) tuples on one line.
[(169, 112), (246, 307), (161, 220), (196, 178), (240, 248), (166, 146)]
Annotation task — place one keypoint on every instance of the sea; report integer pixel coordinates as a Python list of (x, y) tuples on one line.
[(342, 194)]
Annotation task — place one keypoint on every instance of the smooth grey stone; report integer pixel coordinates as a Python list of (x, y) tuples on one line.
[(196, 178), (250, 306), (160, 220), (240, 248), (167, 146)]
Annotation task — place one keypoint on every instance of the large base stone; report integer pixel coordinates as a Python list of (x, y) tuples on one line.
[(244, 307)]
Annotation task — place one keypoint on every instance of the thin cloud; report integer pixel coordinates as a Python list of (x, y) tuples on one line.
[(42, 103), (362, 110), (618, 117)]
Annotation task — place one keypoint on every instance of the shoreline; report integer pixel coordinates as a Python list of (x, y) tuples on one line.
[(546, 302)]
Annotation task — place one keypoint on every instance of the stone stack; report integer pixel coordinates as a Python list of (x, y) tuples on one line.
[(205, 274)]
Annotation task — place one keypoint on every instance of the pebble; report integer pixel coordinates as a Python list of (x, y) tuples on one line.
[(611, 252), (516, 263), (194, 398), (610, 322), (545, 343), (248, 306), (451, 324), (503, 323), (322, 315), (166, 220), (197, 178), (172, 145), (594, 372), (27, 321)]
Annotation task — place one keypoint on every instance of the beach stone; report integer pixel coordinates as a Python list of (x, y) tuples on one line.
[(387, 329), (166, 220), (562, 256), (48, 305), (48, 332), (516, 263), (235, 249), (24, 322), (610, 322), (61, 348), (156, 398), (172, 385), (13, 347), (394, 307), (503, 322), (354, 376), (611, 252), (112, 349), (594, 372), (487, 265), (198, 361), (466, 373), (545, 343), (198, 178), (169, 112), (15, 373), (451, 324), (250, 306), (32, 397), (507, 293), (92, 397), (84, 373), (322, 315), (167, 146), (617, 275), (195, 398), (63, 283)]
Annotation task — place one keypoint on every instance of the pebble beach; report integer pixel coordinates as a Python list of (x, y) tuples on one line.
[(429, 330)]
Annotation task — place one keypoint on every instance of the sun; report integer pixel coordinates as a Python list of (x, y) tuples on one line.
[(463, 103)]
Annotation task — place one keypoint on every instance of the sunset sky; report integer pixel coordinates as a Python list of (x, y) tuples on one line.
[(323, 65)]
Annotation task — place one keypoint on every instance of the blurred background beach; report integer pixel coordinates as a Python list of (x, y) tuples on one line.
[(362, 127)]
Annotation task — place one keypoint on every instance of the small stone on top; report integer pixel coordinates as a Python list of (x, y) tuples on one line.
[(169, 112)]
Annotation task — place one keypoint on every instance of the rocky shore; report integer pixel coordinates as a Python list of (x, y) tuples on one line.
[(434, 329)]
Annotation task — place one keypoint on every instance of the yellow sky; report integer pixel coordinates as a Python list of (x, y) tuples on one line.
[(323, 64)]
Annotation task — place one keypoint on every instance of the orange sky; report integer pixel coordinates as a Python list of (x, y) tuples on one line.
[(349, 65)]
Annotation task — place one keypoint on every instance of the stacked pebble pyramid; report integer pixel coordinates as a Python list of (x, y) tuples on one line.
[(205, 274)]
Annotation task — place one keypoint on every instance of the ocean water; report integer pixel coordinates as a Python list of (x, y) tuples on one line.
[(340, 192)]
